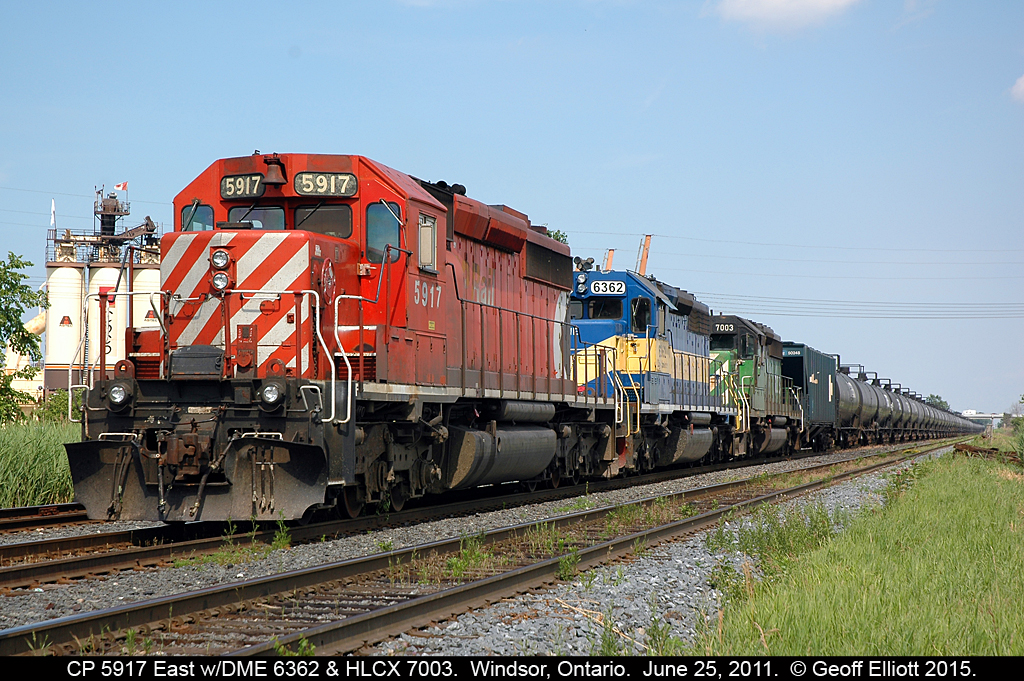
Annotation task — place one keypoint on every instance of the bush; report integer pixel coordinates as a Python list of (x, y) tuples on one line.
[(54, 407)]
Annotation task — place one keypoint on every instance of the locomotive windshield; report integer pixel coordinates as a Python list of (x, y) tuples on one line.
[(722, 342), (331, 220), (382, 229), (263, 217), (604, 308), (196, 218), (641, 313)]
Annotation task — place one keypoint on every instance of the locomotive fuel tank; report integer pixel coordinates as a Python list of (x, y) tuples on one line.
[(508, 453), (685, 445)]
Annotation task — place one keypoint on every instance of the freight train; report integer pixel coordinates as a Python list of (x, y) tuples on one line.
[(335, 334)]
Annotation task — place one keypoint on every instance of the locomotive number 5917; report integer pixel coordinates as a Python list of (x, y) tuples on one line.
[(427, 295)]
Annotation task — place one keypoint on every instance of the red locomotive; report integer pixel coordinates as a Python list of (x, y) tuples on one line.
[(336, 333)]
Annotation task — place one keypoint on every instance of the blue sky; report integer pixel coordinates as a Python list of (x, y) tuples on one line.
[(783, 152)]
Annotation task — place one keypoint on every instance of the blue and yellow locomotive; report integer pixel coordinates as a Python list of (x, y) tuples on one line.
[(658, 339)]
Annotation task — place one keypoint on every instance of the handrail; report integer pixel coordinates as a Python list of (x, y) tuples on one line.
[(86, 367), (801, 406)]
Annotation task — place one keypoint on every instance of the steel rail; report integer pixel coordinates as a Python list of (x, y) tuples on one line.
[(140, 615), (23, 517), (352, 633), (150, 547)]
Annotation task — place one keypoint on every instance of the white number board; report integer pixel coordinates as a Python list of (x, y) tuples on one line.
[(608, 288), (325, 184)]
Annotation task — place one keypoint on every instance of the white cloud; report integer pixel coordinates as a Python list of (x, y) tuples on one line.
[(781, 14), (1017, 91)]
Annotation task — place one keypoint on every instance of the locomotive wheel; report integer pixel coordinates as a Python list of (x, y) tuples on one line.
[(353, 505), (575, 479), (530, 485), (556, 478), (398, 498)]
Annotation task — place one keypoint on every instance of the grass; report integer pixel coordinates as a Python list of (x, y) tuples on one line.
[(33, 464), (233, 553), (1005, 439), (472, 554), (936, 571)]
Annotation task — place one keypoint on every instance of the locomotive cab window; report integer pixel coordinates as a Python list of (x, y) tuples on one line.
[(262, 217), (428, 242), (575, 309), (748, 345), (641, 315), (720, 342), (196, 218), (382, 228), (329, 220), (604, 308)]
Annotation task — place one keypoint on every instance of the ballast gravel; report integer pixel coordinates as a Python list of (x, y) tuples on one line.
[(63, 531), (667, 585), (534, 624)]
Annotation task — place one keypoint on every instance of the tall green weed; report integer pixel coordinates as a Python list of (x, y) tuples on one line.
[(34, 465), (935, 571)]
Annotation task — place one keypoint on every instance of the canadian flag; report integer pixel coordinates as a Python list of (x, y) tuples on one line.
[(123, 187)]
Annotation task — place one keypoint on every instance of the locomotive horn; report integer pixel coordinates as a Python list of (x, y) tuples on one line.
[(275, 171)]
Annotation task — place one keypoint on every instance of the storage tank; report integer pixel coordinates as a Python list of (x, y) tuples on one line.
[(885, 403), (849, 401), (897, 410), (916, 414), (64, 317), (869, 403), (144, 281), (117, 316)]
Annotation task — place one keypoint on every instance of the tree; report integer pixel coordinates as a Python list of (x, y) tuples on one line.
[(937, 402), (559, 235), (15, 297)]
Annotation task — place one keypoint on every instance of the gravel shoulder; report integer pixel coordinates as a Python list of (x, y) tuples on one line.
[(669, 584), (58, 600)]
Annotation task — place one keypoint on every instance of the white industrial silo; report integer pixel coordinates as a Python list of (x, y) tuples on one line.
[(145, 281), (65, 290), (105, 278)]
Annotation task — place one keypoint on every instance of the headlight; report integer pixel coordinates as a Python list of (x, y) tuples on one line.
[(271, 393), (220, 281), (118, 394), (220, 259), (581, 278), (581, 288)]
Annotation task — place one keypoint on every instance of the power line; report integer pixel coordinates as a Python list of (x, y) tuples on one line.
[(852, 278), (32, 212), (82, 196), (805, 246), (761, 306), (804, 261), (761, 312), (704, 295)]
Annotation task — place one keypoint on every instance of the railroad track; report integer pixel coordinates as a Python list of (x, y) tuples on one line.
[(343, 606), (30, 517), (30, 563)]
